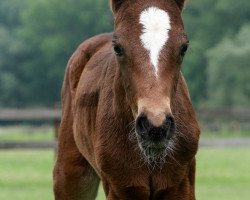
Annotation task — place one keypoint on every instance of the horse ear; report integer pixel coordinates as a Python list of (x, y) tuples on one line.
[(181, 3), (115, 5)]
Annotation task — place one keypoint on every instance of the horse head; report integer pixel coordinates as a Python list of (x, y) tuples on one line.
[(149, 43)]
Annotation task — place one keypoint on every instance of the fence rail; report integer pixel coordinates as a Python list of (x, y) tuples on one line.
[(8, 114), (243, 113), (28, 145), (41, 114), (54, 115), (29, 114)]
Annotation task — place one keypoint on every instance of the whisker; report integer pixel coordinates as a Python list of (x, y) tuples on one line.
[(150, 159)]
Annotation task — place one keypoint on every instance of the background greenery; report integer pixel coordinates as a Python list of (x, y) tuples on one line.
[(38, 37)]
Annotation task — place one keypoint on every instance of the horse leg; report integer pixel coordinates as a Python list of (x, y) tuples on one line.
[(75, 182), (74, 178)]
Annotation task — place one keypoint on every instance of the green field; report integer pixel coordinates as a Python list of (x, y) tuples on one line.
[(222, 174), (26, 133)]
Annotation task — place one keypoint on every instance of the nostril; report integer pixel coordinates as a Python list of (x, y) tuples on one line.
[(169, 121), (156, 134), (169, 126), (142, 125)]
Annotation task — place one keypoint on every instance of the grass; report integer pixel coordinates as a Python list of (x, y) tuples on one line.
[(25, 175), (222, 174), (26, 133)]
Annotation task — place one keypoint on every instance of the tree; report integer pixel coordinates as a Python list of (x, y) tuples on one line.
[(228, 71), (208, 22), (11, 52), (54, 29), (44, 37)]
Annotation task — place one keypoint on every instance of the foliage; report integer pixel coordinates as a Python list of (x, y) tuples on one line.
[(47, 33), (11, 52), (38, 37), (228, 71), (208, 23)]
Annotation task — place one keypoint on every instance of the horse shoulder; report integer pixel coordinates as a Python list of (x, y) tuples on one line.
[(75, 67), (80, 58)]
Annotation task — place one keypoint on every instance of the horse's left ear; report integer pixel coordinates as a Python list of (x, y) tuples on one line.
[(181, 3), (115, 5)]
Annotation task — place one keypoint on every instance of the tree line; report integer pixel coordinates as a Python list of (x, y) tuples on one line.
[(38, 37)]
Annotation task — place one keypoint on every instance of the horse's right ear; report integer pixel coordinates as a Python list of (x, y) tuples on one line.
[(181, 3), (115, 5)]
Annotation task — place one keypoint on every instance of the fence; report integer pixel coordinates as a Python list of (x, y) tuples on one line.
[(32, 115), (209, 119), (220, 118)]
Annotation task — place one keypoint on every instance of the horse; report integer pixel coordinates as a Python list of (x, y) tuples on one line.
[(127, 118)]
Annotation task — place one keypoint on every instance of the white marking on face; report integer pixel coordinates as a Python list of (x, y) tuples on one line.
[(156, 25)]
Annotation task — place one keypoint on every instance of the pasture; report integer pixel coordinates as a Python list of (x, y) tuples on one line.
[(222, 174)]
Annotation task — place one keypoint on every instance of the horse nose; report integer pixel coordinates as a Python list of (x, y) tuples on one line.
[(148, 131)]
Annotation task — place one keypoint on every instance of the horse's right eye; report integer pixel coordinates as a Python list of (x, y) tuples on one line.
[(184, 49), (118, 50)]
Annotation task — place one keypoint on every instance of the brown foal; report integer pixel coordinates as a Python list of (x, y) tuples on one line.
[(127, 116)]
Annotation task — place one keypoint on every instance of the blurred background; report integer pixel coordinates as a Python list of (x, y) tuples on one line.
[(38, 37)]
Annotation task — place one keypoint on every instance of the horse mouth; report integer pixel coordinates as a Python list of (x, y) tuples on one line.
[(154, 151)]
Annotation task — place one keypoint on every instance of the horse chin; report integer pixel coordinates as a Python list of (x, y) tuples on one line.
[(154, 152)]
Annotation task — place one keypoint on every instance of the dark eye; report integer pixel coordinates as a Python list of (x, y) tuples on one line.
[(118, 50), (184, 49)]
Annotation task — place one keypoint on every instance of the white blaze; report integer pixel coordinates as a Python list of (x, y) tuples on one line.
[(156, 25)]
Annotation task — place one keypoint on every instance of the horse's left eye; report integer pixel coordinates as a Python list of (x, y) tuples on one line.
[(118, 50), (184, 49)]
